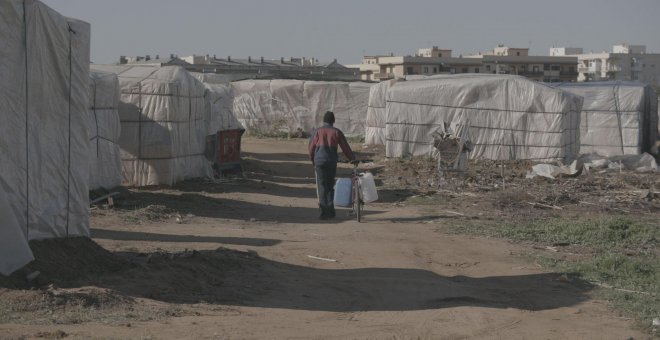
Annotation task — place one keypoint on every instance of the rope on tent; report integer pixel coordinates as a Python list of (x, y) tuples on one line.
[(96, 119), (68, 180), (480, 108), (618, 113), (139, 111), (27, 135)]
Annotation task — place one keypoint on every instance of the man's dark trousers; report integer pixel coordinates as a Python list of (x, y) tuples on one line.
[(325, 187)]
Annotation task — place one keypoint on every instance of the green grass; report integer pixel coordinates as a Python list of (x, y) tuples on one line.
[(622, 257), (355, 139), (607, 233)]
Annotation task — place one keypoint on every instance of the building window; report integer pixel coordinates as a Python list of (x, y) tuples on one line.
[(476, 70), (464, 70), (435, 70), (409, 70), (439, 55), (571, 69), (546, 67), (487, 67), (518, 54), (555, 67), (535, 69), (426, 69)]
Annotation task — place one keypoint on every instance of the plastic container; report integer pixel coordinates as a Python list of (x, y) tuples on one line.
[(369, 192), (343, 192)]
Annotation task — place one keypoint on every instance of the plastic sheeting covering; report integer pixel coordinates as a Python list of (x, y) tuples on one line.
[(376, 114), (44, 142), (272, 106), (14, 249), (618, 118), (220, 101), (163, 115), (509, 117), (104, 131), (212, 78)]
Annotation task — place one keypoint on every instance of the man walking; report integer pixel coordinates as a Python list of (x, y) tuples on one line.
[(323, 154)]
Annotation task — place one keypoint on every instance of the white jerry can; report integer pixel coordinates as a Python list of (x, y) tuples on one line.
[(369, 192)]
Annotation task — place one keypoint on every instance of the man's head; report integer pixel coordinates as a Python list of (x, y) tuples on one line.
[(329, 117)]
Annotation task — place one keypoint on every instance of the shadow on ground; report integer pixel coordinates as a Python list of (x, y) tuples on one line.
[(236, 278), (119, 235), (223, 208)]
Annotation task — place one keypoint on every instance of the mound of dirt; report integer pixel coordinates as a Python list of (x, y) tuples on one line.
[(65, 262)]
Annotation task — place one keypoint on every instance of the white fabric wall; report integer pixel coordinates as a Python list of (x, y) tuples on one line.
[(376, 113), (270, 106), (44, 140), (14, 249), (220, 101), (105, 129), (163, 114), (212, 78), (509, 117), (617, 118)]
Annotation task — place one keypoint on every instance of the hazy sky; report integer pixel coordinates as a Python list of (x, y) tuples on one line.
[(347, 29)]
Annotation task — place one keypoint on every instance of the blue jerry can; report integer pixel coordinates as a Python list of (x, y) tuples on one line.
[(344, 192)]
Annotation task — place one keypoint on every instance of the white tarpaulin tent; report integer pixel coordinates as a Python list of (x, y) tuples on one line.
[(509, 117), (220, 101), (14, 249), (376, 113), (271, 106), (618, 118), (163, 124), (44, 143), (212, 78), (104, 131)]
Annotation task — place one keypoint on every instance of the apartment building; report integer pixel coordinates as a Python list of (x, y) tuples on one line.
[(625, 62), (516, 60), (377, 68), (500, 60)]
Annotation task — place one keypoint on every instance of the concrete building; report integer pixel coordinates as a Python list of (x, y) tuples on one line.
[(625, 62), (502, 50), (516, 60), (256, 68), (377, 68), (564, 51), (539, 68), (500, 60), (434, 52)]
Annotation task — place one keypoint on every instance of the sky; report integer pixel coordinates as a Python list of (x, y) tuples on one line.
[(348, 29)]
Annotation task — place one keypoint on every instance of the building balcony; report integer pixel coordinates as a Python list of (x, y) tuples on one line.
[(568, 74), (530, 73), (383, 75)]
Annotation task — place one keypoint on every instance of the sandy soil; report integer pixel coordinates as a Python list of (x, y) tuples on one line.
[(239, 259)]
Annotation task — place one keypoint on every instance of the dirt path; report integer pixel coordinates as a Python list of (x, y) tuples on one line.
[(393, 276)]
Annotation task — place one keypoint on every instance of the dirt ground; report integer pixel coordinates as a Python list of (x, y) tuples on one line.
[(247, 258)]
